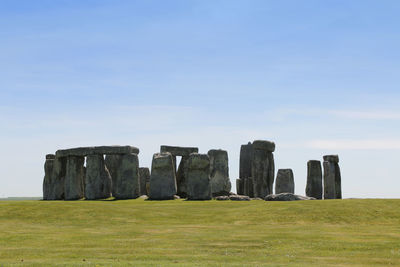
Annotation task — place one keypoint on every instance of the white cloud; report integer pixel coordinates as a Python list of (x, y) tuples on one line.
[(367, 115), (366, 144)]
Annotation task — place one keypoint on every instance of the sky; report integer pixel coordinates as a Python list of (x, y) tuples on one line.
[(315, 77)]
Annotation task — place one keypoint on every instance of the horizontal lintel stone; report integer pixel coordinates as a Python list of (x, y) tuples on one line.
[(179, 151), (264, 145), (108, 150)]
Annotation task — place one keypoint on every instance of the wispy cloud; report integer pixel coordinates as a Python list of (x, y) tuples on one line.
[(367, 115), (367, 144)]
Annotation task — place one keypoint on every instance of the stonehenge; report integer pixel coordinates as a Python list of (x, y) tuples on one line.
[(284, 181), (102, 172), (332, 177), (314, 179), (219, 172), (198, 177), (67, 177), (162, 178)]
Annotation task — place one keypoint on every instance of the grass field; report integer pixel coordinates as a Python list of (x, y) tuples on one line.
[(182, 233)]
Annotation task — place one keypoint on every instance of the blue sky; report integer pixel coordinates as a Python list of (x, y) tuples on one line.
[(316, 77)]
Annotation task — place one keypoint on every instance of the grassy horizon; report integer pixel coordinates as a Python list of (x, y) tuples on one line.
[(353, 232)]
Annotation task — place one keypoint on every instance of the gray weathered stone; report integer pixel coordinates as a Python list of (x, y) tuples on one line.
[(97, 178), (101, 150), (58, 179), (144, 177), (112, 163), (180, 173), (331, 158), (286, 197), (126, 184), (263, 168), (284, 181), (239, 198), (329, 180), (239, 186), (74, 178), (332, 177), (222, 198), (181, 177), (179, 151), (264, 145), (338, 182), (219, 172), (48, 179), (248, 187), (198, 177), (246, 156), (50, 156), (162, 177), (314, 179)]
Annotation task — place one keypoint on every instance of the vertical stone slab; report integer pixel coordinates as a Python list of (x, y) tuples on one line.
[(162, 177), (97, 178), (338, 182), (333, 177), (245, 164), (74, 177), (53, 183), (112, 164), (284, 181), (329, 180), (181, 177), (58, 177), (263, 168), (126, 184), (198, 177), (239, 186), (248, 187), (47, 180), (144, 175), (314, 179), (219, 172)]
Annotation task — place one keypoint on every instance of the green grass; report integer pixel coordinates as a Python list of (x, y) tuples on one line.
[(211, 233)]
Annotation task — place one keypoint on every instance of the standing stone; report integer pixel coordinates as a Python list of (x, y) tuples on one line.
[(263, 168), (144, 175), (126, 183), (74, 178), (112, 163), (180, 174), (245, 170), (58, 178), (97, 178), (284, 181), (248, 187), (53, 183), (162, 178), (329, 180), (239, 186), (246, 156), (314, 179), (332, 177), (47, 181), (219, 172), (198, 177), (181, 177)]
